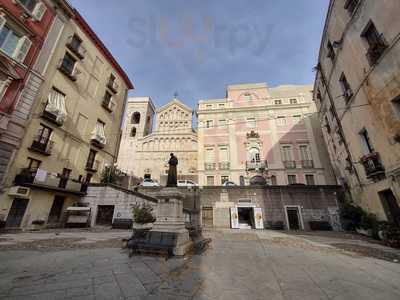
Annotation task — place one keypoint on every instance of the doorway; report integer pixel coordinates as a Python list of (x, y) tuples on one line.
[(105, 215), (207, 217), (17, 212), (56, 210), (293, 217), (246, 217), (390, 206)]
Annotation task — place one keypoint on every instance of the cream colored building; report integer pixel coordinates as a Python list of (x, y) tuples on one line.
[(145, 148), (258, 130), (73, 131), (357, 92)]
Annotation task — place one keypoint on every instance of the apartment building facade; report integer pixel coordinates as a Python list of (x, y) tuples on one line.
[(74, 128), (357, 92), (257, 130), (24, 26), (150, 135)]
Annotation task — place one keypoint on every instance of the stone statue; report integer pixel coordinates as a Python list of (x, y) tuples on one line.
[(172, 173)]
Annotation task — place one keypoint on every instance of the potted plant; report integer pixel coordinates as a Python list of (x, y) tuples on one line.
[(143, 217)]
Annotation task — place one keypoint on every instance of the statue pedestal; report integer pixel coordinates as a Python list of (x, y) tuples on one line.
[(170, 218)]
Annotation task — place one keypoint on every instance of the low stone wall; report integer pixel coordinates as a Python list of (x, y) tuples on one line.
[(122, 199)]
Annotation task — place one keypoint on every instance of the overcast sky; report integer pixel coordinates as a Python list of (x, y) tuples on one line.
[(196, 48)]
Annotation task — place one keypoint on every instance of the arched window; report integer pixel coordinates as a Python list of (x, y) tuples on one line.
[(135, 118), (133, 132), (254, 155)]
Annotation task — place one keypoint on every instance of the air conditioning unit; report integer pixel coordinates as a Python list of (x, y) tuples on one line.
[(19, 191)]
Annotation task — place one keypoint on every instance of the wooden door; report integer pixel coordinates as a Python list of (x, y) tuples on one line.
[(17, 212), (207, 217)]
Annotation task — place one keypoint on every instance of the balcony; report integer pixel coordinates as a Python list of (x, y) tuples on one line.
[(113, 86), (98, 141), (49, 181), (75, 46), (53, 118), (209, 166), (224, 165), (307, 164), (376, 51), (92, 166), (372, 165), (257, 166), (289, 164), (42, 145)]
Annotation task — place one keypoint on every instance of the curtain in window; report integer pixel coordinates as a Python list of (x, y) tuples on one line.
[(56, 105), (98, 133)]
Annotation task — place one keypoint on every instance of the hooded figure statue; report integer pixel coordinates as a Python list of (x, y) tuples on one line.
[(172, 173)]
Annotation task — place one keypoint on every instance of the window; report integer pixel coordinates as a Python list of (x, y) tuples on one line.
[(224, 179), (296, 119), (278, 102), (293, 101), (135, 118), (327, 125), (64, 178), (209, 106), (286, 152), (209, 156), (68, 64), (254, 155), (91, 159), (107, 101), (331, 51), (304, 152), (221, 105), (33, 165), (222, 123), (251, 122), (365, 142), (8, 40), (28, 4), (133, 132), (395, 104), (376, 43), (274, 180), (42, 138), (3, 86), (210, 180), (347, 91), (98, 133), (310, 179), (292, 179), (209, 123), (56, 105), (281, 121), (75, 42), (351, 5), (223, 154)]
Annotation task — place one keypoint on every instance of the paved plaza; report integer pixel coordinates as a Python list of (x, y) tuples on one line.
[(238, 265)]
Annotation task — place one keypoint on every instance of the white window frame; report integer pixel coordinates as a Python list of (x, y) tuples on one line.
[(227, 176), (209, 124), (298, 211), (213, 179), (290, 147), (295, 176), (305, 177), (309, 156), (209, 159), (251, 122), (281, 121), (227, 154)]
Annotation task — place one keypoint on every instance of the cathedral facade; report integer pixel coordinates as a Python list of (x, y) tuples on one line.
[(149, 136)]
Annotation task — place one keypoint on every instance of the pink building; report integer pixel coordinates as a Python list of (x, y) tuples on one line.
[(257, 130)]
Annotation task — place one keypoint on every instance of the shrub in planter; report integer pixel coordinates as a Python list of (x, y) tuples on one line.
[(143, 214), (351, 216)]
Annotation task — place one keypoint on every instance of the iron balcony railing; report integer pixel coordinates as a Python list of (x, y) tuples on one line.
[(42, 145), (307, 164), (209, 166), (289, 164), (49, 180), (76, 47), (256, 165), (224, 165), (372, 165)]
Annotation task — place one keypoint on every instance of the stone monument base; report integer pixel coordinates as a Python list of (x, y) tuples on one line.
[(170, 218)]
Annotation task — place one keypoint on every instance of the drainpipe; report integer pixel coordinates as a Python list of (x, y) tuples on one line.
[(332, 103)]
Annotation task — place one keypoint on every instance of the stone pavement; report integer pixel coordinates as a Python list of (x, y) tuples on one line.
[(239, 265)]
